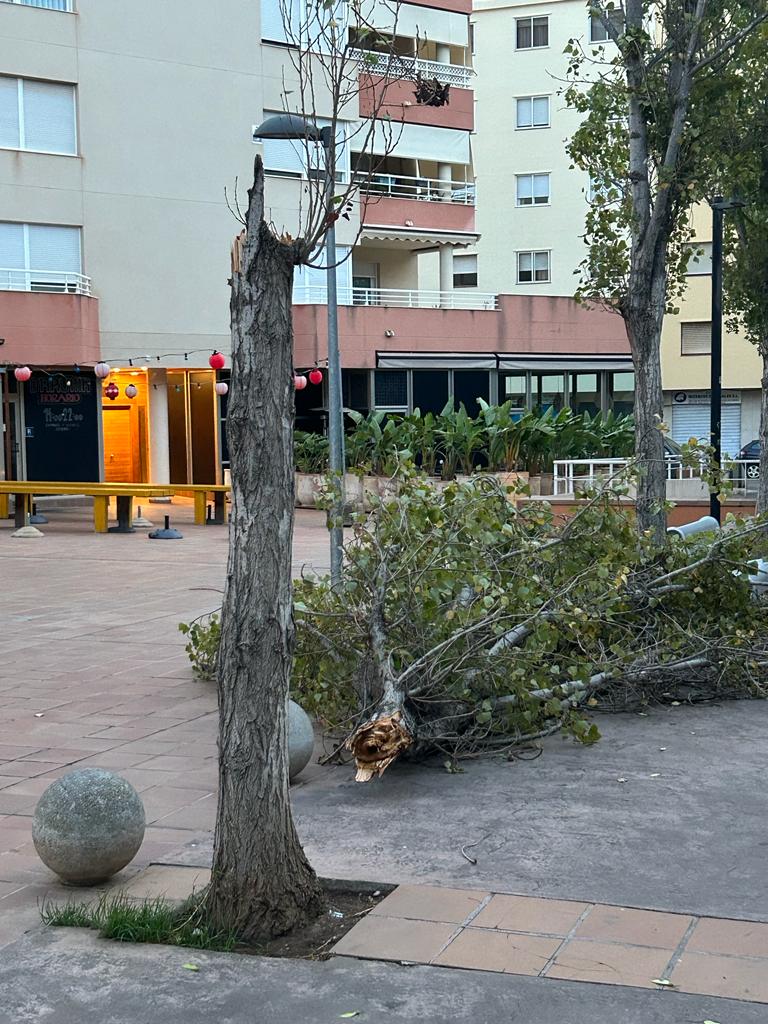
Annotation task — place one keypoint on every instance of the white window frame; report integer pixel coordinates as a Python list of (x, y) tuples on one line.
[(532, 99), (533, 253), (29, 271), (595, 19), (532, 18), (520, 204), (22, 147)]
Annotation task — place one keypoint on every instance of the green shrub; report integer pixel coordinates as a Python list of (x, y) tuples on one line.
[(202, 647)]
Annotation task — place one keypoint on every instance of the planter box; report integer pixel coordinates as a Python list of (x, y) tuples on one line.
[(307, 489)]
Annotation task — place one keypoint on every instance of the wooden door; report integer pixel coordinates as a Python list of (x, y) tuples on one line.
[(119, 449)]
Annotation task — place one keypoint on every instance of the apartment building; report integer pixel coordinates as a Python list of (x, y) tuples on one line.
[(120, 136), (531, 215)]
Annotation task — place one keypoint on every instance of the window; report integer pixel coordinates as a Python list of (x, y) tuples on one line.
[(696, 339), (516, 389), (548, 391), (464, 271), (533, 267), (310, 283), (40, 258), (50, 5), (622, 390), (391, 389), (533, 112), (289, 157), (598, 33), (585, 393), (532, 189), (699, 259), (532, 32), (37, 115)]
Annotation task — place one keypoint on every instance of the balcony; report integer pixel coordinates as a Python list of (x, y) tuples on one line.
[(398, 298), (409, 67), (55, 281), (49, 327), (420, 204), (49, 5)]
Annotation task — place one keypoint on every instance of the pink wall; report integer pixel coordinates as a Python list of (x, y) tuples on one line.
[(401, 104), (459, 6), (43, 329), (524, 324), (419, 213)]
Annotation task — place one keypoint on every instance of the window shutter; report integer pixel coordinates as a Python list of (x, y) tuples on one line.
[(696, 339), (9, 112), (54, 248), (11, 246), (283, 155), (49, 116)]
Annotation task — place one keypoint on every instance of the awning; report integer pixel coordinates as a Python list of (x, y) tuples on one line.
[(435, 361), (418, 142), (557, 363), (417, 237)]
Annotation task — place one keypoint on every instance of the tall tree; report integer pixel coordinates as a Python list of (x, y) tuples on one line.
[(650, 103), (740, 169), (262, 884)]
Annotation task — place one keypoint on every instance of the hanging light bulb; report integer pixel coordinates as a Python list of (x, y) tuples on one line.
[(112, 391), (315, 376)]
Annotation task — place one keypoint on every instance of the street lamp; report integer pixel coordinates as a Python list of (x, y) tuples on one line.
[(295, 127), (719, 206)]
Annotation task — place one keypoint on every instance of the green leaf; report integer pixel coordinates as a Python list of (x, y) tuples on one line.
[(190, 967)]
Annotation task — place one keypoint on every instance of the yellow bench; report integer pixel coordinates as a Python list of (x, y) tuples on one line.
[(24, 491), (200, 494)]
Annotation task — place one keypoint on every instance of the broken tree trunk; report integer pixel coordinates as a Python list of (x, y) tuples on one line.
[(261, 884)]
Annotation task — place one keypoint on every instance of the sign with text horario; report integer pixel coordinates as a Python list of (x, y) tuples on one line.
[(61, 412)]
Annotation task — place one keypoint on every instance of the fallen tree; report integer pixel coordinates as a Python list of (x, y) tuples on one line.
[(466, 624)]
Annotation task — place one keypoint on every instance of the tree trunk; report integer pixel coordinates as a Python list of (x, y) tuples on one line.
[(644, 330), (762, 484), (262, 884)]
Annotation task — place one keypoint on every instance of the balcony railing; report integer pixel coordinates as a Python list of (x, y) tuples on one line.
[(49, 5), (408, 67), (65, 281), (431, 190), (570, 475), (401, 298)]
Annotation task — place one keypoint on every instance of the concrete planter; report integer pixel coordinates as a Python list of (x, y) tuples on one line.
[(388, 488), (308, 487)]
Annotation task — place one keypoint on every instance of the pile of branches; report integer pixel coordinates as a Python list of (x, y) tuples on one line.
[(467, 624)]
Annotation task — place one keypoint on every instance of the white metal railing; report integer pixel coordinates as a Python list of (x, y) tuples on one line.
[(408, 67), (416, 299), (49, 5), (570, 475), (745, 474), (12, 280), (405, 186)]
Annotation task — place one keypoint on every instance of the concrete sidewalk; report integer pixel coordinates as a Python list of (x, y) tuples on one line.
[(65, 976)]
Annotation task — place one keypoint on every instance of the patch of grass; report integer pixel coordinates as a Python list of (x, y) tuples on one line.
[(128, 920)]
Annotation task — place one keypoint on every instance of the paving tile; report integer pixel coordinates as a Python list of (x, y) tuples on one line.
[(530, 914), (200, 815), (387, 938), (15, 803), (640, 927), (734, 938), (28, 769), (170, 763), (484, 950), (61, 755), (430, 903), (732, 976), (610, 963), (172, 883)]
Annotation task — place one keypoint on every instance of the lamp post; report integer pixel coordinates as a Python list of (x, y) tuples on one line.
[(295, 127), (719, 206)]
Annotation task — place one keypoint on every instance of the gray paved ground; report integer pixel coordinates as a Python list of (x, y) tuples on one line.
[(68, 977), (693, 839)]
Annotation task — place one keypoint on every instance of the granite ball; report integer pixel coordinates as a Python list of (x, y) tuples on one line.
[(88, 825), (301, 739)]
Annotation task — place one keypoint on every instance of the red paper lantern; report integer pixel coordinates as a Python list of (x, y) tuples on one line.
[(112, 391), (102, 370), (300, 382), (131, 391), (22, 373), (216, 361), (221, 387), (315, 376)]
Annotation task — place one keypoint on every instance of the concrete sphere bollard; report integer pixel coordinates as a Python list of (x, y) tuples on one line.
[(88, 825), (301, 739)]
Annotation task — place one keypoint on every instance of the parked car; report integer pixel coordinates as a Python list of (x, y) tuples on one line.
[(749, 452)]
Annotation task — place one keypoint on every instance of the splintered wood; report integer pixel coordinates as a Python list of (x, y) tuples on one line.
[(377, 744)]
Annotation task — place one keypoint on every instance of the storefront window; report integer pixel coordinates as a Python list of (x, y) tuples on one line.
[(391, 389), (515, 389), (585, 393), (623, 393), (547, 391), (430, 390)]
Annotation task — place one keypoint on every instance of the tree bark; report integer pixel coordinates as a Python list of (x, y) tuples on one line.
[(644, 330), (262, 884), (762, 484)]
